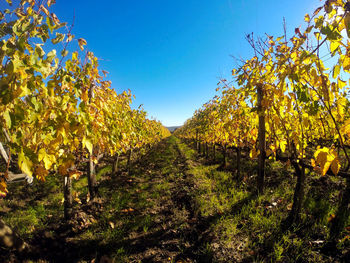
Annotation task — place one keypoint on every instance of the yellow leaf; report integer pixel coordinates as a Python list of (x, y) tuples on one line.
[(341, 104), (269, 152), (314, 76), (294, 56), (43, 8), (336, 71), (63, 169), (283, 145), (327, 158), (82, 42), (253, 153), (341, 83), (346, 63), (7, 119), (313, 163), (48, 159), (50, 2), (25, 164), (346, 127), (75, 56), (334, 45), (41, 173), (94, 159), (75, 174), (325, 168), (88, 144), (76, 197), (335, 166), (318, 36), (41, 154), (84, 96), (3, 188), (24, 91)]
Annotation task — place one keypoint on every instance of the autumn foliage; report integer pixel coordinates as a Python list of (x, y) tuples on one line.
[(56, 103), (304, 100)]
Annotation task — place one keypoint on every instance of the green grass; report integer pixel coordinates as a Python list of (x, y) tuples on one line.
[(252, 225), (31, 208), (237, 225)]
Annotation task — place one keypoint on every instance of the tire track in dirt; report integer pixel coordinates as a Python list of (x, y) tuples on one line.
[(177, 232), (196, 234)]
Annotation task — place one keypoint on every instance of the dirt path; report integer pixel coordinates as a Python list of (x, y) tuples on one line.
[(172, 235), (147, 216)]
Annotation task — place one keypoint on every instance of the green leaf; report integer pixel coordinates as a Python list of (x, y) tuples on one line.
[(35, 103), (59, 38), (319, 22), (44, 32), (331, 34), (25, 91), (6, 95), (10, 68), (51, 55), (313, 108), (39, 51), (347, 23), (21, 44), (25, 26), (302, 95), (15, 28), (7, 118), (64, 53), (50, 23), (60, 25)]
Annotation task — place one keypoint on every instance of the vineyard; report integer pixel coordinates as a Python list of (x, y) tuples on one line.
[(260, 173)]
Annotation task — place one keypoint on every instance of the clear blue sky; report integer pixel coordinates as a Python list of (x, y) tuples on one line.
[(170, 54)]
